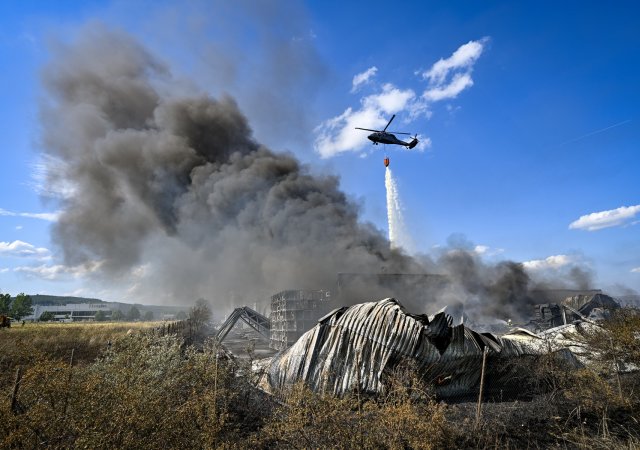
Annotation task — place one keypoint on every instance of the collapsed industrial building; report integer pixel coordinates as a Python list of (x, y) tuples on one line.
[(357, 347), (572, 306)]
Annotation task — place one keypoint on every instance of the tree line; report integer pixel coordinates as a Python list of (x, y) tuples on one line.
[(21, 306)]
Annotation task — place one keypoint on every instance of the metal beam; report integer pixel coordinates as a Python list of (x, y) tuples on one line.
[(252, 318)]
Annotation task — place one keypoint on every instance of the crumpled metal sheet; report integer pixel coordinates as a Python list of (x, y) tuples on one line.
[(356, 346)]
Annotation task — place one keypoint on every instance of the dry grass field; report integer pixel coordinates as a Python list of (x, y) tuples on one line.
[(151, 390), (33, 342)]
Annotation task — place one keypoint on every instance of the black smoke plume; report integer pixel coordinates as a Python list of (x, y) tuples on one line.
[(175, 192), (168, 198)]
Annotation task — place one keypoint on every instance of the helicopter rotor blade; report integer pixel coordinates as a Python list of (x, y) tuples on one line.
[(398, 132), (389, 123), (367, 129)]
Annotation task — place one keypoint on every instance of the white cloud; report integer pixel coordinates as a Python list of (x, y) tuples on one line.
[(463, 58), (425, 143), (338, 134), (481, 249), (51, 217), (362, 78), (635, 270), (23, 249), (390, 101), (58, 272), (447, 78), (551, 262), (459, 83), (605, 219), (487, 251)]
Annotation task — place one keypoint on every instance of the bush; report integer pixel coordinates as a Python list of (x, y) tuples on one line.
[(145, 389), (46, 316), (406, 417)]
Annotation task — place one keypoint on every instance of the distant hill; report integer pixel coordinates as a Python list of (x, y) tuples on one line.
[(49, 300)]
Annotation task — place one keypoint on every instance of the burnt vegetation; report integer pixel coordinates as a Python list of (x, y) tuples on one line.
[(151, 389)]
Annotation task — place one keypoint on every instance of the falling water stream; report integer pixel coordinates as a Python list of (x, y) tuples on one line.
[(394, 211)]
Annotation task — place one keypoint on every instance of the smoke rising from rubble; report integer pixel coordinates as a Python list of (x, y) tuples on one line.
[(502, 290), (177, 189), (171, 194)]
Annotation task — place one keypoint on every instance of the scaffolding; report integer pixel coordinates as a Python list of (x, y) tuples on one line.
[(293, 312)]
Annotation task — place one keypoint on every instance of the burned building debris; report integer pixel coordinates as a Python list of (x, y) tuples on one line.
[(359, 346), (558, 295), (580, 306), (293, 312), (355, 347), (252, 318)]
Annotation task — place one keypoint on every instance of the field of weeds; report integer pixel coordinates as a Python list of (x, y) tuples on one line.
[(151, 390), (34, 342)]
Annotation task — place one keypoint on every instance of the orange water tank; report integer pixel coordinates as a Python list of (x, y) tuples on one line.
[(386, 161)]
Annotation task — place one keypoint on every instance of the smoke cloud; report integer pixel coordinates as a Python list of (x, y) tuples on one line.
[(169, 198), (175, 192)]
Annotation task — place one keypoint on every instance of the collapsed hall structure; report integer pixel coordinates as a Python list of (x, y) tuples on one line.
[(354, 347), (293, 312), (566, 306), (337, 350)]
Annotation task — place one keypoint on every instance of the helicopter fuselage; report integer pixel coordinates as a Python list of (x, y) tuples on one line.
[(385, 137), (382, 137)]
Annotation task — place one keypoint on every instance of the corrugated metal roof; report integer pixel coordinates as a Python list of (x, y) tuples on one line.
[(357, 346)]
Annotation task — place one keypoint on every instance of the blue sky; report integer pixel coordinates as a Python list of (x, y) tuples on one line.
[(527, 113)]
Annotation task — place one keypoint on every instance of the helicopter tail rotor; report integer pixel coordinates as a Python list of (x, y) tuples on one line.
[(414, 142)]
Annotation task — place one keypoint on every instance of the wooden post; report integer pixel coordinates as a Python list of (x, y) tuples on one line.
[(215, 388), (484, 363), (615, 367), (359, 402), (66, 399), (16, 387)]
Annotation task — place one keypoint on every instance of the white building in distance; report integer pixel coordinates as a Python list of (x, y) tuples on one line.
[(73, 312)]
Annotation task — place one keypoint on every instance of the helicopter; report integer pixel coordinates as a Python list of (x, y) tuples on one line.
[(388, 137)]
